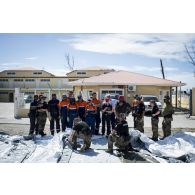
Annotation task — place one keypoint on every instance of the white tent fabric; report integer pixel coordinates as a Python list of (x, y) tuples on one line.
[(50, 149)]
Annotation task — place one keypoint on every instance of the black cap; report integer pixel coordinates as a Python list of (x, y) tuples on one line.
[(138, 98), (166, 97)]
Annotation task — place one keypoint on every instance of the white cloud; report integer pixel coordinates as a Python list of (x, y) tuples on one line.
[(168, 46), (10, 64), (184, 77), (31, 58), (143, 69)]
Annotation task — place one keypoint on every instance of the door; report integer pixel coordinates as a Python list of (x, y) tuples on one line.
[(162, 94), (11, 97), (112, 92)]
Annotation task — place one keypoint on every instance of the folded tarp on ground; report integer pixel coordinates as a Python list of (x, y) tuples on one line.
[(179, 147)]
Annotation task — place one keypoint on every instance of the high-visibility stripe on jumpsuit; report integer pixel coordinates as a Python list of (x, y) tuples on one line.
[(81, 105), (72, 114)]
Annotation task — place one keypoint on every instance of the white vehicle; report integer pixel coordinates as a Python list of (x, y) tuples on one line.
[(146, 100)]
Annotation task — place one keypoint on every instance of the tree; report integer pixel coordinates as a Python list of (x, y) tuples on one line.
[(190, 51), (70, 62)]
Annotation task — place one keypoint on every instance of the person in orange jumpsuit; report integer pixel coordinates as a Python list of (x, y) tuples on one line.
[(72, 111), (81, 107), (63, 108), (90, 115), (97, 103)]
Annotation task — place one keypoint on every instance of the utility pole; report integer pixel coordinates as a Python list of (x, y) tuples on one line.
[(162, 69)]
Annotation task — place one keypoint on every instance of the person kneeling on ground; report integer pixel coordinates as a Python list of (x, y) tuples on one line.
[(80, 130), (120, 136)]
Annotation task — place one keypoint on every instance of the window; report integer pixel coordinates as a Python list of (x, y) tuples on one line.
[(80, 73), (3, 80), (18, 80), (111, 92), (73, 79), (45, 80), (29, 80), (147, 99), (3, 93), (37, 73), (29, 93), (11, 73)]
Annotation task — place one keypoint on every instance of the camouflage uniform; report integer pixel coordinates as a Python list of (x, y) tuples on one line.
[(122, 107), (139, 117), (41, 117), (139, 121), (86, 140), (120, 142), (167, 114), (155, 121), (121, 137), (81, 130)]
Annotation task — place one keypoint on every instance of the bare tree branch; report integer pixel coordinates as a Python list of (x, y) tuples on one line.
[(73, 62), (70, 64), (190, 56)]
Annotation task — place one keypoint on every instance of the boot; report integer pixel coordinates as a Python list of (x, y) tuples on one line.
[(97, 131), (52, 132), (57, 130), (155, 139), (42, 133), (31, 133)]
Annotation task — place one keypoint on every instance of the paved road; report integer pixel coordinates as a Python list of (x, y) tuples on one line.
[(12, 126)]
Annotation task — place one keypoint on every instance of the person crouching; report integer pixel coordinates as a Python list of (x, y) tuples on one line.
[(120, 136), (80, 130)]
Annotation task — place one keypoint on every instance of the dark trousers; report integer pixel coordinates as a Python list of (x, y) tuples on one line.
[(97, 121), (106, 120), (64, 122), (90, 120), (41, 120), (113, 120), (55, 120), (71, 119), (33, 124), (82, 115)]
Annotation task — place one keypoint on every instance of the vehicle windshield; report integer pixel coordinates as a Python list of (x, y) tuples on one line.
[(147, 99)]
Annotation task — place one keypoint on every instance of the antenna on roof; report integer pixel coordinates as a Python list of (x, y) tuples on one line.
[(162, 69)]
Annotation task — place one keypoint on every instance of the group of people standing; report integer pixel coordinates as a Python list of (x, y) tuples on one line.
[(69, 108), (85, 117)]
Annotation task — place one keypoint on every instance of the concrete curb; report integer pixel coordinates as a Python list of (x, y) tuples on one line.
[(179, 113)]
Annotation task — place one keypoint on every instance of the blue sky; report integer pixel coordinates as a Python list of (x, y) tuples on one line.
[(135, 52)]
